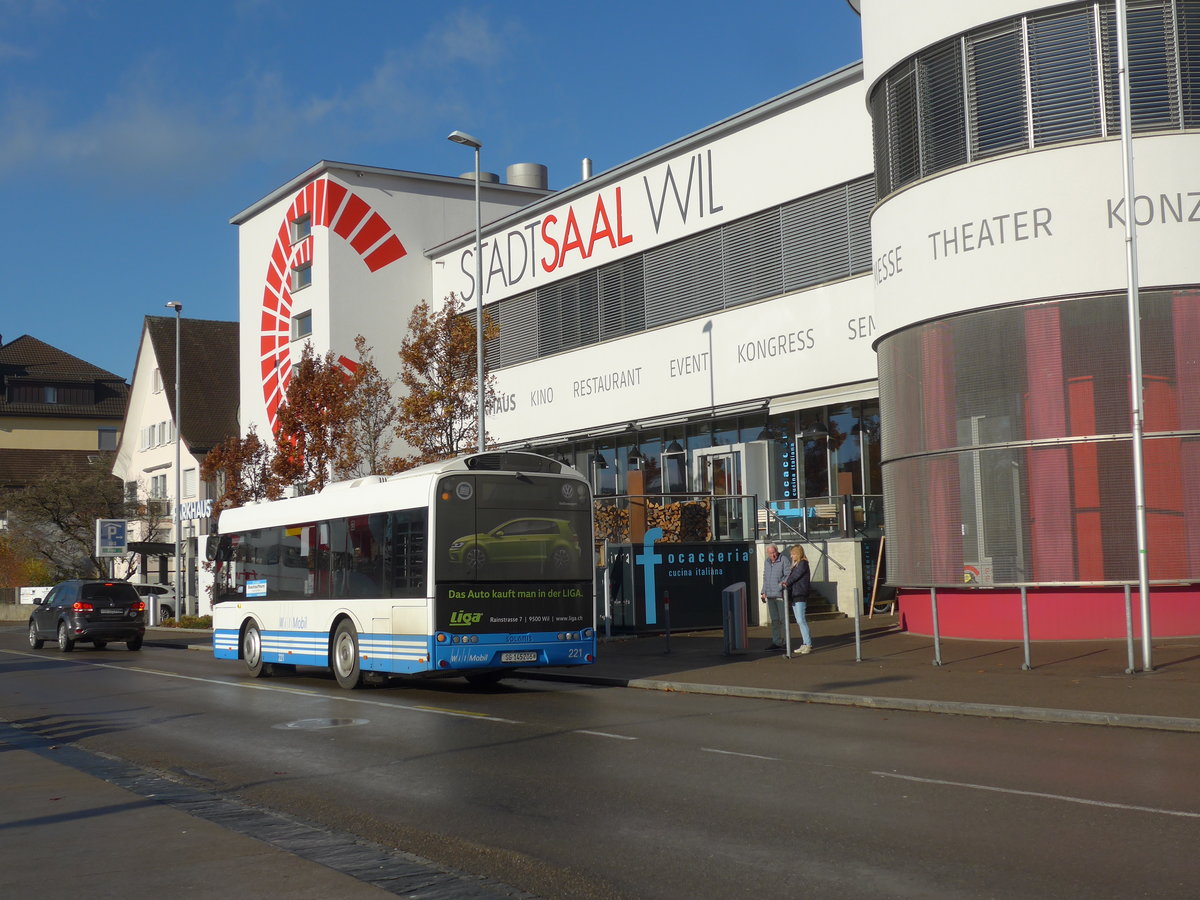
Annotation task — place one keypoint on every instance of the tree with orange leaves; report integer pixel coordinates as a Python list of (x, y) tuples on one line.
[(437, 359), (310, 444)]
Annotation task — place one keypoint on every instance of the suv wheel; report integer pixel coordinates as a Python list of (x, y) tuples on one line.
[(35, 642), (65, 644)]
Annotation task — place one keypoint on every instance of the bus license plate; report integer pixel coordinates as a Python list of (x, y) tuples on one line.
[(519, 656)]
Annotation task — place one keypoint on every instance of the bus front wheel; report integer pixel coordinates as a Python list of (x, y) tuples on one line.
[(345, 656), (252, 651)]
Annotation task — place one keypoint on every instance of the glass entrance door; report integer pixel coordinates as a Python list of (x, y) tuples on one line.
[(719, 472)]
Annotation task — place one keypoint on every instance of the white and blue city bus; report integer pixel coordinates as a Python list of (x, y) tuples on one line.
[(473, 566)]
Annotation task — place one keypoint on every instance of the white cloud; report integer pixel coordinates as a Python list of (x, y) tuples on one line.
[(154, 125)]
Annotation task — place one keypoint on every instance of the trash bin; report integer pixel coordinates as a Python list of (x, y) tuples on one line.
[(733, 617)]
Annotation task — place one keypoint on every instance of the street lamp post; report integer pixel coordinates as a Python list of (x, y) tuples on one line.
[(461, 137), (179, 604)]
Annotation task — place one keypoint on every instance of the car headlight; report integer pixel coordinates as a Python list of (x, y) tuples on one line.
[(458, 545)]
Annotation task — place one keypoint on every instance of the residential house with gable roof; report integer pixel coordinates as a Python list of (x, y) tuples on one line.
[(145, 459), (56, 410)]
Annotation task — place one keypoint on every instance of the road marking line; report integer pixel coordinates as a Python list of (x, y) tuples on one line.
[(999, 790), (616, 737), (733, 753), (303, 692)]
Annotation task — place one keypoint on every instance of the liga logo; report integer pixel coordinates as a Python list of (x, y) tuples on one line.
[(328, 205)]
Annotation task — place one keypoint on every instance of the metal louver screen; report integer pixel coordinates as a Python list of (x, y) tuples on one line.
[(996, 86), (1188, 43), (902, 118), (622, 298), (1064, 77), (880, 130), (568, 314), (943, 123), (861, 198), (518, 330), (1007, 450), (683, 279), (1153, 93), (753, 258), (816, 239)]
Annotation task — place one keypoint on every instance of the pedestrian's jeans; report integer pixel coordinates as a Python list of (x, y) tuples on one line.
[(798, 607), (778, 611)]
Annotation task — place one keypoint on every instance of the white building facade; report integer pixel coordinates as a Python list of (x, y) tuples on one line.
[(899, 287)]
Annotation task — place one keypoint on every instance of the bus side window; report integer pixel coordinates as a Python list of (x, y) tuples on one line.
[(405, 554)]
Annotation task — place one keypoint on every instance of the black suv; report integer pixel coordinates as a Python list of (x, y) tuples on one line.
[(95, 611)]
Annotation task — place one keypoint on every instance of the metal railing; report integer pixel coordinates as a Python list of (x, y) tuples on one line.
[(822, 518)]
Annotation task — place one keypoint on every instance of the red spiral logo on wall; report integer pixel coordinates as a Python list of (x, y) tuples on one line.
[(351, 218)]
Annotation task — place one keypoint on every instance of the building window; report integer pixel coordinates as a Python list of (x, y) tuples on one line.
[(189, 482), (106, 439), (301, 228), (49, 394), (158, 385), (301, 276), (301, 325), (131, 491), (158, 487)]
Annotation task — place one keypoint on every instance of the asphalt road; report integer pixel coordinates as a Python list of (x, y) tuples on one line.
[(589, 792)]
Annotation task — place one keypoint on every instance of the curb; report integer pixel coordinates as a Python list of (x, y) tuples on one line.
[(945, 707)]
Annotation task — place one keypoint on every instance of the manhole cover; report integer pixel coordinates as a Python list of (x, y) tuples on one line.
[(319, 724)]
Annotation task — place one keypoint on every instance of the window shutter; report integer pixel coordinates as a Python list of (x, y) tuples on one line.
[(996, 87), (753, 258), (816, 239), (943, 117), (622, 298), (902, 119), (683, 279)]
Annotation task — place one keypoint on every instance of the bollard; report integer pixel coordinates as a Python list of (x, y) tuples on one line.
[(857, 626), (937, 638), (733, 618), (1027, 665), (1130, 668)]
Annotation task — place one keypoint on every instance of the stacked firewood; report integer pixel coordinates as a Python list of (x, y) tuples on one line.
[(612, 524), (680, 522)]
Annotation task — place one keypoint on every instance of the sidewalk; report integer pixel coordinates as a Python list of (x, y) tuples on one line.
[(1070, 681)]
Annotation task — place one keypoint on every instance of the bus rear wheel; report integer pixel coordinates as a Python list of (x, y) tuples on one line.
[(345, 656)]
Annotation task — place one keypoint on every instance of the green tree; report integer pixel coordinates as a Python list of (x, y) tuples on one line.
[(437, 372)]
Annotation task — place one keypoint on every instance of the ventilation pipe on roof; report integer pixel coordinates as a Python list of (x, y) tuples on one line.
[(586, 170), (490, 177), (530, 175)]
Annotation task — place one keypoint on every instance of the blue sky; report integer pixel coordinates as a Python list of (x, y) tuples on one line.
[(130, 131)]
